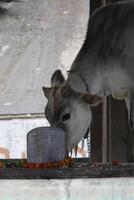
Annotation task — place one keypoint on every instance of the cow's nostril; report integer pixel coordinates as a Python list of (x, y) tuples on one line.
[(66, 117)]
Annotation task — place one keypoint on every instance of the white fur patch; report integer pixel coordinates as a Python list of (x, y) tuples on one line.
[(115, 82)]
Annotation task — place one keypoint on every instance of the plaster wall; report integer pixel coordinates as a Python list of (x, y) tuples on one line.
[(78, 189)]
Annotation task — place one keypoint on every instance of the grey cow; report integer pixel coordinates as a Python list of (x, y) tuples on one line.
[(103, 66)]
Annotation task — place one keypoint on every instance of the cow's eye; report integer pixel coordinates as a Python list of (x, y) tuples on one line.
[(66, 117)]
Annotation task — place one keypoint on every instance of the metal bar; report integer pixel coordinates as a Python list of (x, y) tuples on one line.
[(22, 116), (104, 130), (109, 129)]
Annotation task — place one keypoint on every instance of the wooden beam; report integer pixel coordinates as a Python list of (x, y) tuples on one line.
[(96, 134)]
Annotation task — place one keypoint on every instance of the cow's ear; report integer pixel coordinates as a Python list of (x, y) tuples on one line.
[(46, 91), (67, 91), (57, 79), (92, 100)]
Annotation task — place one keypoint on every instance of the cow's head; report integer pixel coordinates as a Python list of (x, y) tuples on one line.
[(68, 109)]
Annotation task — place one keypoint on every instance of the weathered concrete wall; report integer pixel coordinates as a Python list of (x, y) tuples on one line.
[(13, 140), (87, 189), (36, 38)]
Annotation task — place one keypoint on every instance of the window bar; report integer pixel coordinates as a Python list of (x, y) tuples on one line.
[(104, 130)]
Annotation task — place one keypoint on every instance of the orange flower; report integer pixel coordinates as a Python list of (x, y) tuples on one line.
[(115, 162), (1, 164)]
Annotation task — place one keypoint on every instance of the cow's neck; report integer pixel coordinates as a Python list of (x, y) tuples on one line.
[(80, 81), (80, 75)]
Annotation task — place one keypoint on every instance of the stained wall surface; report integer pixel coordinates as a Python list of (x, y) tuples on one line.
[(37, 37), (78, 189)]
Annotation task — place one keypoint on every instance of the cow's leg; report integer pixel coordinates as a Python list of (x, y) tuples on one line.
[(131, 145), (131, 132)]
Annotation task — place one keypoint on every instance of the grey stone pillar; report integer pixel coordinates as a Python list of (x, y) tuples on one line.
[(45, 144)]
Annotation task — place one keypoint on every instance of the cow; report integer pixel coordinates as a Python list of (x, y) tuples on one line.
[(103, 66)]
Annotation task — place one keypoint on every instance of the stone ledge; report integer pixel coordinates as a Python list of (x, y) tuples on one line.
[(80, 169)]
